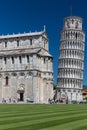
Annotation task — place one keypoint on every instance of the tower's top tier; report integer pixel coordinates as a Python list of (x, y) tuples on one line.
[(73, 22)]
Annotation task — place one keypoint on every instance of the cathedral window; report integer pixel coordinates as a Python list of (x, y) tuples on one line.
[(76, 35), (27, 58), (30, 41), (17, 42), (44, 61), (12, 60), (6, 80), (5, 60), (21, 74), (19, 59), (69, 90), (14, 74), (78, 91), (5, 44), (49, 58), (63, 90)]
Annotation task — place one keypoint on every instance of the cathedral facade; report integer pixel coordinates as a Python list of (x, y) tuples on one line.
[(26, 68), (71, 60)]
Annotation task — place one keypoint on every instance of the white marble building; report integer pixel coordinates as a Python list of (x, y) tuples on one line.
[(71, 60), (26, 68)]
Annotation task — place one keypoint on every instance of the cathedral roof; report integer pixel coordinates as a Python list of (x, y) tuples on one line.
[(39, 51), (19, 51), (21, 35), (44, 53)]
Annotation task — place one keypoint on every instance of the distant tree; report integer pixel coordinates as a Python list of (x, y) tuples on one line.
[(54, 86)]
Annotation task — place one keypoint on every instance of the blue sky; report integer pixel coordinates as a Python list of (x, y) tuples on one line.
[(31, 15)]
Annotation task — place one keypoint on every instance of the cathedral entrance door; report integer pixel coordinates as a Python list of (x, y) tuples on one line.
[(21, 96)]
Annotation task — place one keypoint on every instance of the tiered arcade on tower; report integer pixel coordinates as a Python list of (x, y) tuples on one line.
[(71, 60)]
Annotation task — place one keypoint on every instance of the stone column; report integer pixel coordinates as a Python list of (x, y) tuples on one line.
[(35, 87)]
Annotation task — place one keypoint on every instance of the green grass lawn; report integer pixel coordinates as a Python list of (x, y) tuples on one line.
[(43, 117)]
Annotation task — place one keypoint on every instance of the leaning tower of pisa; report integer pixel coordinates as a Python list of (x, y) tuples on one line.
[(71, 60)]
